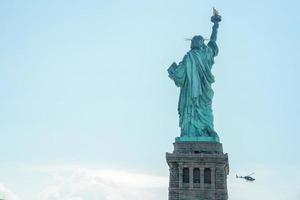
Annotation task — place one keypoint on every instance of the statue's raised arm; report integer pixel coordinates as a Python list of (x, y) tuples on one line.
[(216, 18)]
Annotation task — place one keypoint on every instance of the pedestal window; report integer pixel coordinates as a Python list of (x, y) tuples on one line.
[(196, 175), (207, 176), (186, 175)]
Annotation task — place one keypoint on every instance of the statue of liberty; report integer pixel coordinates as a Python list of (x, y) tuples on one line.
[(194, 77)]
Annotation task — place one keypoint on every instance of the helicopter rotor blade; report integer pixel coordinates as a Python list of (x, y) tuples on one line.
[(251, 174)]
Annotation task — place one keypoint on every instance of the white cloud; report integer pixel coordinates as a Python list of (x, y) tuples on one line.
[(80, 183), (6, 193)]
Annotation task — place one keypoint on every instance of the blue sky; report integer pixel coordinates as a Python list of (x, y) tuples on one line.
[(84, 83)]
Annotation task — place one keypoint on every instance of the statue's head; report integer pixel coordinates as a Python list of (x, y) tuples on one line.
[(197, 42)]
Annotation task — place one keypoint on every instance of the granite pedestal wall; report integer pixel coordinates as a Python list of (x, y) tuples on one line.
[(198, 171)]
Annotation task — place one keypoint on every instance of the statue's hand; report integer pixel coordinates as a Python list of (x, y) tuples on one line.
[(216, 18)]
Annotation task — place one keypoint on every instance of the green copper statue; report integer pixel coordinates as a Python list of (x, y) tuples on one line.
[(194, 77)]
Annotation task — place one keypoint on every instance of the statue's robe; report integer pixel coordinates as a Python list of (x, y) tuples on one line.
[(194, 77)]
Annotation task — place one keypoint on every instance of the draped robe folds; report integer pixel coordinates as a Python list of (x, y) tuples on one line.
[(193, 76)]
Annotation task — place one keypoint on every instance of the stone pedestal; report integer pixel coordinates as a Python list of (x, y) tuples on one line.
[(198, 171)]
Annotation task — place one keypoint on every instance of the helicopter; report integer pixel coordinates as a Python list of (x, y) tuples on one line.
[(247, 178)]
